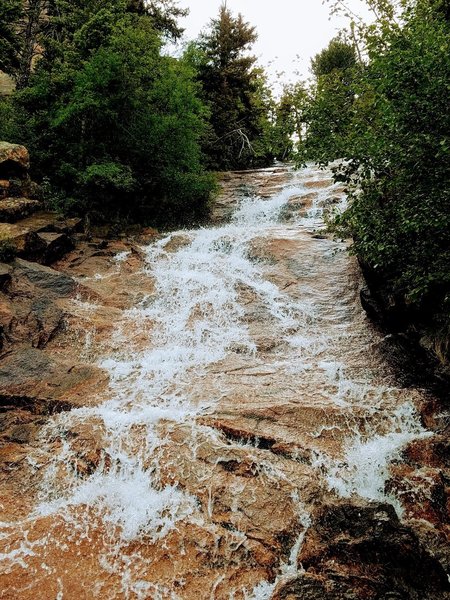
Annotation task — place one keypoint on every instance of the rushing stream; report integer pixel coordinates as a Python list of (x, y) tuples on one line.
[(246, 390)]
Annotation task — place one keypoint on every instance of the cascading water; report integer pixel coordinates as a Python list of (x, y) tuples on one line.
[(252, 337)]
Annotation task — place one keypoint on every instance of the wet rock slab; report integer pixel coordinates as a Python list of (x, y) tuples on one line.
[(31, 379), (234, 487), (362, 552), (30, 312), (249, 455)]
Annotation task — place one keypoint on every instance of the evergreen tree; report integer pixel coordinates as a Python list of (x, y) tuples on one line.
[(31, 30), (164, 15), (232, 87), (10, 13), (23, 25)]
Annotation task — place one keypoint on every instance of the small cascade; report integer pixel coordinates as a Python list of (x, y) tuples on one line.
[(245, 393)]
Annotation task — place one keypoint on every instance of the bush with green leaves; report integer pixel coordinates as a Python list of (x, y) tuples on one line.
[(399, 144), (111, 120), (396, 144)]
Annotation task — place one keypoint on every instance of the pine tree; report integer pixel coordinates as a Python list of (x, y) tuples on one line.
[(232, 88)]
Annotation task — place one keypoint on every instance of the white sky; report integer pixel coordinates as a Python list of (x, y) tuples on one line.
[(290, 32)]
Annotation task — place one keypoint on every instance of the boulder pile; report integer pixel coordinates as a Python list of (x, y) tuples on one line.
[(26, 229)]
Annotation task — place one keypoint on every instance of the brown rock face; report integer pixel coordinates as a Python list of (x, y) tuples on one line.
[(16, 188), (25, 230), (433, 452), (14, 161), (13, 209), (209, 415), (31, 315), (29, 310), (56, 245), (42, 237), (31, 379)]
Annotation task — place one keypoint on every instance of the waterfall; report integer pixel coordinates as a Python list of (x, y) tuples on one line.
[(251, 338)]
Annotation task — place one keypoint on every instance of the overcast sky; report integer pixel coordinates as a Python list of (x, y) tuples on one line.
[(290, 32)]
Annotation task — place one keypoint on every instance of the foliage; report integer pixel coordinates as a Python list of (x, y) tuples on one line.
[(10, 11), (338, 56), (164, 15), (289, 121), (8, 130), (396, 142), (236, 93), (23, 24), (328, 113), (111, 120)]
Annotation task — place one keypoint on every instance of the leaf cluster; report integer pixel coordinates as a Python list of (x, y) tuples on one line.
[(114, 123), (390, 123)]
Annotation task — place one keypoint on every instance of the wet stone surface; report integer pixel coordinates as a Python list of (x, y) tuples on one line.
[(211, 415)]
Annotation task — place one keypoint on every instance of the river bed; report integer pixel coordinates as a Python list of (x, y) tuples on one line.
[(251, 442)]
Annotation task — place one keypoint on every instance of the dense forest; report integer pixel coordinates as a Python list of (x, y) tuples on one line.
[(118, 127)]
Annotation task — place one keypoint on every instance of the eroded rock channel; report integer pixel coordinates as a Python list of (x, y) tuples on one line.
[(212, 416)]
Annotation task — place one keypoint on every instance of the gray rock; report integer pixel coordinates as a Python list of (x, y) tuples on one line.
[(47, 320), (22, 434), (45, 278)]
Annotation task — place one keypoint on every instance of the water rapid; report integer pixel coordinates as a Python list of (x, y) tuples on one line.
[(246, 388)]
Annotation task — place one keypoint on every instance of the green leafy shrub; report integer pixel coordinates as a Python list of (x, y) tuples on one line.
[(106, 116), (393, 133), (399, 159)]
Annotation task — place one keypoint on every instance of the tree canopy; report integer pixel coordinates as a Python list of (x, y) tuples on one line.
[(235, 91), (112, 122), (338, 56)]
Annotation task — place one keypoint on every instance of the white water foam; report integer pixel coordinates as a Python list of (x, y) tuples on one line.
[(364, 469), (191, 321)]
